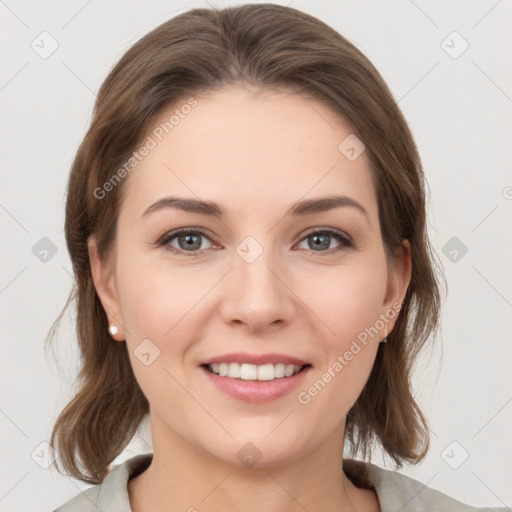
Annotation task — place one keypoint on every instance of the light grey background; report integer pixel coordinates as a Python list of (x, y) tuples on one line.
[(459, 110)]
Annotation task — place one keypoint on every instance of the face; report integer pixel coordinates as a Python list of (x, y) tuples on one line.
[(258, 282)]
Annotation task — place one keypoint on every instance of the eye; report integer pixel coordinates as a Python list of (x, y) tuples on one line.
[(189, 240), (321, 239), (186, 240)]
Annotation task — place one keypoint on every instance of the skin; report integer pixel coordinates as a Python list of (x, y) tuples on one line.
[(255, 153)]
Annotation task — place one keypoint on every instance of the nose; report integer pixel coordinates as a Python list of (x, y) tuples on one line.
[(257, 294)]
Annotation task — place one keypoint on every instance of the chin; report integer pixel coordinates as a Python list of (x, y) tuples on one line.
[(258, 452)]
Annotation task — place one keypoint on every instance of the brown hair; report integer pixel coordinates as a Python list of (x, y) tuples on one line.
[(265, 46)]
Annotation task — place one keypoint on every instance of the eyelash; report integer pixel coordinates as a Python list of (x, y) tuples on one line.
[(345, 241)]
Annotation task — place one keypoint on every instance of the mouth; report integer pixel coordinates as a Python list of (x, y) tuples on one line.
[(255, 378), (246, 371), (255, 383)]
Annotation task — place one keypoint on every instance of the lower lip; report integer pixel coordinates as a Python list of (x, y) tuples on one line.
[(256, 390)]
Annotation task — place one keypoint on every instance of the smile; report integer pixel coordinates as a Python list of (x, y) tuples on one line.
[(246, 371)]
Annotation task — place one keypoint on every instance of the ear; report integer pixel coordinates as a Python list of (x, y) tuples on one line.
[(104, 281), (399, 277)]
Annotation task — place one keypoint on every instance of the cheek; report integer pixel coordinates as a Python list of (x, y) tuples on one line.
[(154, 309), (351, 311), (153, 297), (159, 308), (346, 300)]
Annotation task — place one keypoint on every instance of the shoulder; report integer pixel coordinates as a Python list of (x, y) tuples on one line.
[(112, 493), (400, 492)]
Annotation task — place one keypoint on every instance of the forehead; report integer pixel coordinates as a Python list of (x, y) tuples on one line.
[(250, 151)]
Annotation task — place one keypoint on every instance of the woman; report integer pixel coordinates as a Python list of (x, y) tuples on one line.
[(246, 222)]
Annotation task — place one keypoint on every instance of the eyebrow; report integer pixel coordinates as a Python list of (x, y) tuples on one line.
[(299, 209)]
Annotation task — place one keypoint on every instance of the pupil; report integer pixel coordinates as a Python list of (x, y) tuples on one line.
[(190, 240), (318, 241)]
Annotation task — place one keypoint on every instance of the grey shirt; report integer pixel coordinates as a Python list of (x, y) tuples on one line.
[(396, 492)]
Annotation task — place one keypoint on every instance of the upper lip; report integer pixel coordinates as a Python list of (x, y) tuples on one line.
[(256, 359)]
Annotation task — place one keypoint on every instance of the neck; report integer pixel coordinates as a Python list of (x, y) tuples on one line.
[(183, 478)]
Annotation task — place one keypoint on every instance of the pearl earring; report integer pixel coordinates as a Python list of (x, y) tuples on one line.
[(113, 330), (385, 340)]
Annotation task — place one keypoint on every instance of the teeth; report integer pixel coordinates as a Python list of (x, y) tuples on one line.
[(246, 371)]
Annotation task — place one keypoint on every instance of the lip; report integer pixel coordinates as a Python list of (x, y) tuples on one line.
[(256, 359), (256, 391)]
